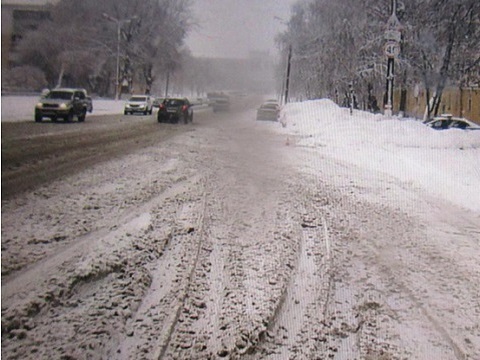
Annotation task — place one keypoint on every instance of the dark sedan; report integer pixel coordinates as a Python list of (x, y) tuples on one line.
[(174, 110)]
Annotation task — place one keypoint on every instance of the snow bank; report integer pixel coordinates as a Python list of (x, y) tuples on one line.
[(444, 163)]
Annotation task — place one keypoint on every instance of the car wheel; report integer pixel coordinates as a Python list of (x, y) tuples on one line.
[(38, 118), (125, 112)]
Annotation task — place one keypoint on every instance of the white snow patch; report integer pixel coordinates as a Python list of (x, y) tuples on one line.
[(443, 163)]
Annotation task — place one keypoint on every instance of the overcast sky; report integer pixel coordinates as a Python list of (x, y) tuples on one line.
[(231, 28)]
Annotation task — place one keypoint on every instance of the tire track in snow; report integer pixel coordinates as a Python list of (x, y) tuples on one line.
[(172, 277), (297, 323), (187, 287), (384, 280)]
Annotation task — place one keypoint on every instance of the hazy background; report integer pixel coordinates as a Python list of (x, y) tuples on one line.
[(231, 28)]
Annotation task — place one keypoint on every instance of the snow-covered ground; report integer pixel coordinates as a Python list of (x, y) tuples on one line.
[(443, 163), (170, 246)]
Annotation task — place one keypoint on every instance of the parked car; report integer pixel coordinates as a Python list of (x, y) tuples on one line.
[(268, 111), (65, 103), (139, 104), (174, 110), (447, 121)]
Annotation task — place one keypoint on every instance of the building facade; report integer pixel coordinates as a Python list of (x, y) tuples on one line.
[(18, 17)]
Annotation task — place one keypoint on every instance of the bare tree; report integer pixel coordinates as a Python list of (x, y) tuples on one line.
[(443, 44), (339, 43), (78, 46)]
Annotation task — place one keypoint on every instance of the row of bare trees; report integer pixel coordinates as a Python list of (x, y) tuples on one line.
[(339, 43), (80, 44)]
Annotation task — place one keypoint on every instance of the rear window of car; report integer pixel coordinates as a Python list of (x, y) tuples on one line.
[(175, 102), (138, 98), (460, 125)]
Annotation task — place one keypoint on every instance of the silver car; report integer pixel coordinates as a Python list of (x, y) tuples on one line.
[(268, 111), (139, 104)]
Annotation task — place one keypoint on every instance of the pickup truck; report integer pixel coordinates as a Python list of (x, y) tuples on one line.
[(64, 103)]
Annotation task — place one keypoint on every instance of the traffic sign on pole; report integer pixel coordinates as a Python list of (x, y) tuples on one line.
[(392, 49)]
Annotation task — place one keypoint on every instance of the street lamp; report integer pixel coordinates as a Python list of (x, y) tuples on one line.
[(119, 26)]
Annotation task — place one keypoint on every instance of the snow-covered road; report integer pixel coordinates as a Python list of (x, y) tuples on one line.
[(337, 236)]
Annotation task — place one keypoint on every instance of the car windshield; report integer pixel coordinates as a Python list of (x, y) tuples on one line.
[(63, 95), (138, 98), (175, 102)]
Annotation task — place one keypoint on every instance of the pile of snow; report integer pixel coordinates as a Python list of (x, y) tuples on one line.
[(445, 163)]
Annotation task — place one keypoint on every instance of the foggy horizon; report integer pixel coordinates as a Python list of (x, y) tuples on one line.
[(233, 28)]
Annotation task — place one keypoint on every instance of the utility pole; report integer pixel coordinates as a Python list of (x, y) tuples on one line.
[(352, 97), (392, 50), (167, 84), (119, 24), (287, 78)]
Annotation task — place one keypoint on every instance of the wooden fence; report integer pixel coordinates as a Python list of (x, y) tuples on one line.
[(458, 102)]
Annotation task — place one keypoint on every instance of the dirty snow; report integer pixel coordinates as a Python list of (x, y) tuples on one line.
[(213, 246)]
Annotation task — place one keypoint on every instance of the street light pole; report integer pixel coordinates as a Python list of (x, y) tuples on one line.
[(119, 24), (392, 50), (287, 79), (286, 83), (117, 84)]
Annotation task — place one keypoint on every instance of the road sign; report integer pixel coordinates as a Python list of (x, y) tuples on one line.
[(392, 49), (393, 35), (393, 23)]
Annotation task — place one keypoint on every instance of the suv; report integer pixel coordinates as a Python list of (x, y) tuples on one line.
[(64, 103), (173, 110), (139, 103)]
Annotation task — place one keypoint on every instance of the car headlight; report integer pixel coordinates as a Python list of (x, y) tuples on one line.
[(62, 106), (39, 105)]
